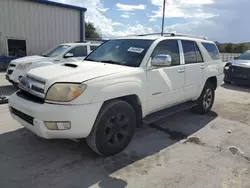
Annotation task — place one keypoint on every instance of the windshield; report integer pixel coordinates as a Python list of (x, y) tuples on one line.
[(56, 51), (127, 52), (245, 56)]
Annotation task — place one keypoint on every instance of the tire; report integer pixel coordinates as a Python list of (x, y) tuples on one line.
[(113, 129), (206, 96), (227, 82)]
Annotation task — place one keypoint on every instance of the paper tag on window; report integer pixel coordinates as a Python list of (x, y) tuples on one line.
[(136, 50)]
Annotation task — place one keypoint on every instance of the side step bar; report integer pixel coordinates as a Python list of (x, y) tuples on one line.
[(156, 116)]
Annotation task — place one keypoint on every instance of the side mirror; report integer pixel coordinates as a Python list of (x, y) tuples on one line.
[(161, 60), (236, 57), (67, 55)]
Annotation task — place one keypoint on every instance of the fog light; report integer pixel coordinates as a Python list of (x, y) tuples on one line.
[(63, 125), (57, 125), (51, 125)]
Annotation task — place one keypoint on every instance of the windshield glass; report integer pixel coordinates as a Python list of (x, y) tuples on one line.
[(127, 52), (56, 51), (245, 56)]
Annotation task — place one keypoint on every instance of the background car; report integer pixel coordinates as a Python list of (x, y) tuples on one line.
[(68, 52), (238, 70)]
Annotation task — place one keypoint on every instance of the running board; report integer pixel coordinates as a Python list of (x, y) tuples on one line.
[(156, 116)]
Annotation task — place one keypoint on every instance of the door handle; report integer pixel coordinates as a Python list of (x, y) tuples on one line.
[(180, 70)]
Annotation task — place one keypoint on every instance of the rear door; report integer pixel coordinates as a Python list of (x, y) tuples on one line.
[(194, 69)]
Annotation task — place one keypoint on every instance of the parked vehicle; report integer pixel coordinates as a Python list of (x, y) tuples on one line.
[(238, 70), (68, 52), (122, 83)]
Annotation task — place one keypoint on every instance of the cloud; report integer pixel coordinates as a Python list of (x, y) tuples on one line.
[(117, 23), (228, 25), (181, 8), (130, 7), (125, 15), (103, 9)]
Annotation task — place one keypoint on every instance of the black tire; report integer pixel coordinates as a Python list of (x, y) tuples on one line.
[(203, 106), (226, 81), (113, 129)]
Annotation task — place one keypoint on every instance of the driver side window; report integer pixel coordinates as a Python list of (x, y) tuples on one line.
[(168, 47), (79, 51)]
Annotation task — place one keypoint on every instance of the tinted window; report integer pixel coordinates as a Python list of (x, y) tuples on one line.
[(212, 50), (57, 51), (127, 52), (191, 52), (245, 56), (79, 51), (93, 47), (168, 47)]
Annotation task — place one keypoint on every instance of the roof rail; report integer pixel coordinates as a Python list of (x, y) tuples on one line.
[(172, 34)]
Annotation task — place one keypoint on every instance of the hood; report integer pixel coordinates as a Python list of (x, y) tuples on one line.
[(28, 59), (240, 63), (76, 71)]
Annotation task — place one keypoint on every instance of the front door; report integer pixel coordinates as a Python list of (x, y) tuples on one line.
[(165, 84), (194, 69)]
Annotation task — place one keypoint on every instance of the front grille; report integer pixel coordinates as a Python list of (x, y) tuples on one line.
[(37, 89), (29, 97), (23, 116), (36, 79), (240, 72), (12, 65), (9, 72)]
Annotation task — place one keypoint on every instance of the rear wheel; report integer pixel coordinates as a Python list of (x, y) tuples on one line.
[(206, 99), (113, 129)]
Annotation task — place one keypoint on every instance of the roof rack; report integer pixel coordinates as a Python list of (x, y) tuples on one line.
[(172, 34)]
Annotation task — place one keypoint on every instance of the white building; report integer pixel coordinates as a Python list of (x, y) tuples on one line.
[(30, 27)]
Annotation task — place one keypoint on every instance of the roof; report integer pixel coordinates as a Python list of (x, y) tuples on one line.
[(60, 5), (157, 36)]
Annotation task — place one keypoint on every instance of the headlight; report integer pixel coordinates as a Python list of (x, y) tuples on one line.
[(65, 92), (23, 66)]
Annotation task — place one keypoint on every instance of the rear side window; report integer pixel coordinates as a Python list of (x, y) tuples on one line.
[(191, 52), (212, 50)]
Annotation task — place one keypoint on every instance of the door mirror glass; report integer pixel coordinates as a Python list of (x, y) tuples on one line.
[(161, 60), (67, 55)]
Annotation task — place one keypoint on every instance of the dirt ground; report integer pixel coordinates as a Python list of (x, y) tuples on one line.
[(184, 150)]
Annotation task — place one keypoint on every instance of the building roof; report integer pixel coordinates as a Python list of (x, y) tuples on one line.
[(60, 5)]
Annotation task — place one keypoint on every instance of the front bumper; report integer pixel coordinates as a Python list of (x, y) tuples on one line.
[(81, 117), (15, 75), (238, 75)]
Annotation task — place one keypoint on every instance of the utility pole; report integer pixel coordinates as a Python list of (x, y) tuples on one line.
[(163, 18)]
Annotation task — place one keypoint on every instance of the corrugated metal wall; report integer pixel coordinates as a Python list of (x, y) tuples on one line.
[(44, 26)]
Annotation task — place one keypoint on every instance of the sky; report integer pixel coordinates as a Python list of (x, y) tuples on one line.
[(219, 20)]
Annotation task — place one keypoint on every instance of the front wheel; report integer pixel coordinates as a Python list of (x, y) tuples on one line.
[(113, 129), (206, 99)]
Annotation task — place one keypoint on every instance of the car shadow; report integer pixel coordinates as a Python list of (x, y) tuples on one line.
[(29, 161), (236, 87), (7, 90)]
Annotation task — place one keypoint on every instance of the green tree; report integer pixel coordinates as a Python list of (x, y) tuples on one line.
[(229, 48), (90, 31), (239, 48)]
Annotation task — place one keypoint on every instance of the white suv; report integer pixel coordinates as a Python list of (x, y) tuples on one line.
[(123, 82), (68, 52)]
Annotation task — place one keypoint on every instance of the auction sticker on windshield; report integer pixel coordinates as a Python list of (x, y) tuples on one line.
[(136, 50)]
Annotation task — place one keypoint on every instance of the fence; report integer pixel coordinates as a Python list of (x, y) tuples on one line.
[(229, 56)]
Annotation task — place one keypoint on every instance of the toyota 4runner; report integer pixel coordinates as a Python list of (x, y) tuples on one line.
[(122, 83)]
